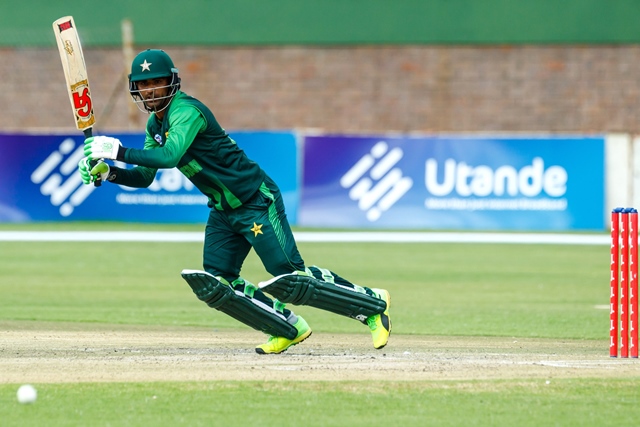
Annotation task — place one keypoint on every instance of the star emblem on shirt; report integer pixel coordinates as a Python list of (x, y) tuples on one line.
[(257, 229), (145, 65)]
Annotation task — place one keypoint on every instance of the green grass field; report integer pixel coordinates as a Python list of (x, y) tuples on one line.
[(459, 293)]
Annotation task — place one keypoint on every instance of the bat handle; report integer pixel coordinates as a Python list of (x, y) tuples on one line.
[(88, 133)]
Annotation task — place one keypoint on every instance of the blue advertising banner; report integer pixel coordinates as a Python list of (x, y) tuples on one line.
[(39, 181), (453, 183)]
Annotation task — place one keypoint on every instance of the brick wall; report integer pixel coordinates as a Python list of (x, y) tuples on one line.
[(580, 89)]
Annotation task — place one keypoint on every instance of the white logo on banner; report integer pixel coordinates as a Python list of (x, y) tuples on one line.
[(375, 182), (57, 177), (466, 187)]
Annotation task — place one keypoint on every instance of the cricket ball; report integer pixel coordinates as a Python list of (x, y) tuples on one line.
[(27, 394)]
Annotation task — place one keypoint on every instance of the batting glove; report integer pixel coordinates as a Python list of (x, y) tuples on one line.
[(101, 147), (91, 174)]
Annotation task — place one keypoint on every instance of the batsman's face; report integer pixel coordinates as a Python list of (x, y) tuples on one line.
[(154, 92)]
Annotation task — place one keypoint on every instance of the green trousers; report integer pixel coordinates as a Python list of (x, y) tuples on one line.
[(260, 223)]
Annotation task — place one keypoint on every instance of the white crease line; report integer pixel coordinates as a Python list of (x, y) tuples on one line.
[(588, 364), (312, 236)]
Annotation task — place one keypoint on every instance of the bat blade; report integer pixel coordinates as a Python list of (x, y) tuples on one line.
[(75, 72)]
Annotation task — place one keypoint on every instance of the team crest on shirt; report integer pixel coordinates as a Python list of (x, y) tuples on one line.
[(158, 139), (257, 229)]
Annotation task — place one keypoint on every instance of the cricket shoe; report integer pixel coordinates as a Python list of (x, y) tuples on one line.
[(380, 324), (277, 345)]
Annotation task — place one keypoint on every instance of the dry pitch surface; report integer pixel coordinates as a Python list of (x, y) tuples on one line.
[(42, 353)]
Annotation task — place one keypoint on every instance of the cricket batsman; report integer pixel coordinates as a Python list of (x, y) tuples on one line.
[(246, 211)]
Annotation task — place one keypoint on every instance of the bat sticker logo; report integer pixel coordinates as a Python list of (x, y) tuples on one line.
[(82, 103), (67, 25), (68, 47)]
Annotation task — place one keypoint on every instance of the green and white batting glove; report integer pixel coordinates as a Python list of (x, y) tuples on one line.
[(101, 147), (91, 174)]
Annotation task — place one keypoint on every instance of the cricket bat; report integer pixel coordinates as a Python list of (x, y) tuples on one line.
[(75, 73)]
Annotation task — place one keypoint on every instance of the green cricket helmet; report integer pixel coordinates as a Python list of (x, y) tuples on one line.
[(153, 64)]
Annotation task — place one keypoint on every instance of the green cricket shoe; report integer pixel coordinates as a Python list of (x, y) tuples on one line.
[(277, 345), (380, 324)]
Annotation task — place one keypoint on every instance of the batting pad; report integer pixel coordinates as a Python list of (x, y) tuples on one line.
[(301, 289), (247, 310)]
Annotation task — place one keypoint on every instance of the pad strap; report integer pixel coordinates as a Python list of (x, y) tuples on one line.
[(239, 305), (301, 289)]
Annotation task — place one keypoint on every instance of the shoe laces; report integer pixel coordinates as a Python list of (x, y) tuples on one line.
[(371, 321), (272, 338)]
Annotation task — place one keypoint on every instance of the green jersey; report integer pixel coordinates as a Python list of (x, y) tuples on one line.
[(190, 138)]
